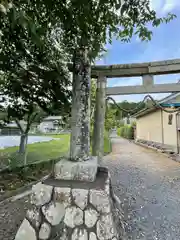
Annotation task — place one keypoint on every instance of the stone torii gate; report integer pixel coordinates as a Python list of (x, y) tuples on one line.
[(77, 202), (146, 71)]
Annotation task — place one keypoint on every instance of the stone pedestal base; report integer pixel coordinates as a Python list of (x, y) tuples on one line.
[(72, 210), (82, 171)]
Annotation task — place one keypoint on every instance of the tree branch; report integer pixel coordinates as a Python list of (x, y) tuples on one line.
[(19, 125), (30, 120)]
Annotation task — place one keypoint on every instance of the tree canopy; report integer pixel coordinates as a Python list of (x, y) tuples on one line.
[(32, 64), (92, 23), (83, 22), (34, 77)]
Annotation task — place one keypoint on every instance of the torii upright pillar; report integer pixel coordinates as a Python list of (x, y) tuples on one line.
[(99, 116)]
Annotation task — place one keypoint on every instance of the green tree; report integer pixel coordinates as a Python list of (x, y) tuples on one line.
[(30, 55), (130, 108), (30, 104), (34, 76), (110, 119)]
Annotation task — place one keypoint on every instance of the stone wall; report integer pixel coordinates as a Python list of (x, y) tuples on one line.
[(72, 210)]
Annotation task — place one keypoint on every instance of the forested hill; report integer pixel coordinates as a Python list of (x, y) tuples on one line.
[(127, 106)]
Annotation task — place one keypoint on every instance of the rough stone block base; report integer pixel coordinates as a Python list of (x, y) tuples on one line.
[(72, 210), (82, 171)]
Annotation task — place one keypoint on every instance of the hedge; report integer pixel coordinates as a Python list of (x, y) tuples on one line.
[(126, 132)]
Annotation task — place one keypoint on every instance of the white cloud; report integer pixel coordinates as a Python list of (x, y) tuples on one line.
[(170, 5), (164, 6), (156, 4)]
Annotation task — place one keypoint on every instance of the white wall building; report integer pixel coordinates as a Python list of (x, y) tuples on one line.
[(51, 124)]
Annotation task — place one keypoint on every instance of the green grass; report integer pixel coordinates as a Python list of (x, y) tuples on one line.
[(37, 152), (44, 151)]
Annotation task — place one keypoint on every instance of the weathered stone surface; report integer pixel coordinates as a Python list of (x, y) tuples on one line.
[(64, 235), (63, 195), (45, 231), (79, 234), (83, 171), (100, 200), (34, 216), (105, 228), (114, 238), (54, 212), (73, 217), (92, 236), (99, 115), (26, 232), (108, 179), (91, 217), (80, 115), (107, 188), (80, 197), (41, 194)]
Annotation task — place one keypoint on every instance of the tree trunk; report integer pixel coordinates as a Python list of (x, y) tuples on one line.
[(80, 119), (23, 143), (99, 118)]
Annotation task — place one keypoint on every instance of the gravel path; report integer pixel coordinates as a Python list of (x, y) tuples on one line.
[(148, 184)]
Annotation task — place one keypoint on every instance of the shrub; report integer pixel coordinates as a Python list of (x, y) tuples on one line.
[(126, 132)]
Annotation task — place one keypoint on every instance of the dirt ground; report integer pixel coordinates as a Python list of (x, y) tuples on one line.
[(11, 215)]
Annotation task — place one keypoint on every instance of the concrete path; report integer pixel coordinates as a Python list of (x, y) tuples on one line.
[(148, 185)]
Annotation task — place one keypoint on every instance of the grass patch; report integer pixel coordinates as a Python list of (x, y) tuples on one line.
[(36, 152), (40, 161), (41, 152)]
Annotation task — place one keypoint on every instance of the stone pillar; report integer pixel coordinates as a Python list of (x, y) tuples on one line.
[(80, 119), (99, 118)]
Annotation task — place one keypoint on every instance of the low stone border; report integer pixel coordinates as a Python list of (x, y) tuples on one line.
[(9, 195), (168, 153)]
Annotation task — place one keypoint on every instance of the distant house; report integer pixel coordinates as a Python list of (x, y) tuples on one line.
[(158, 126), (51, 124)]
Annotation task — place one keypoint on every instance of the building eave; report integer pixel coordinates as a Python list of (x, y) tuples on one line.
[(144, 112)]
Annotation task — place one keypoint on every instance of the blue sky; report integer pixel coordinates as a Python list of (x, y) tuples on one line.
[(165, 44)]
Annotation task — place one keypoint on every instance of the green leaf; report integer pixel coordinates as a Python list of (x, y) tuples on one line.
[(124, 8)]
